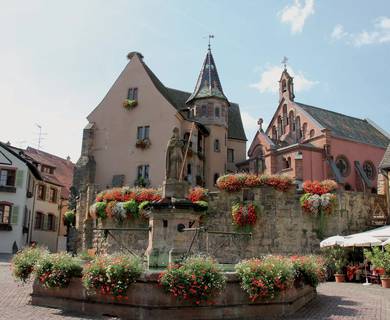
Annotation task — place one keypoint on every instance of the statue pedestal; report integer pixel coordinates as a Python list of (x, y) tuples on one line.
[(175, 189), (166, 242)]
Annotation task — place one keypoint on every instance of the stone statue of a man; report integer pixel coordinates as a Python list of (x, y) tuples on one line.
[(174, 156)]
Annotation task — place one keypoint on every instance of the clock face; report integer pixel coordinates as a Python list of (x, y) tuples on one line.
[(343, 165), (369, 169)]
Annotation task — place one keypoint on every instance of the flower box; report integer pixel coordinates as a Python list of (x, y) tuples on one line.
[(143, 143), (130, 104)]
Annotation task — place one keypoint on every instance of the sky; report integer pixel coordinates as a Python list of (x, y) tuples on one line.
[(58, 59)]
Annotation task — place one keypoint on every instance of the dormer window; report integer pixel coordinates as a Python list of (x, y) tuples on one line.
[(47, 169)]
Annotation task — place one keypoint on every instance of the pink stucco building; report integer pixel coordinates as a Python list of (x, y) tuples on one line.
[(311, 143)]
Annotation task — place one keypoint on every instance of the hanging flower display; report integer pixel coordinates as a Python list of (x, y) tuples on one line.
[(318, 197), (129, 104), (235, 182), (123, 203), (244, 214)]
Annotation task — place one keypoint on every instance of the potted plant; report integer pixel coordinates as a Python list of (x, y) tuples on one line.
[(143, 143), (380, 259), (336, 259)]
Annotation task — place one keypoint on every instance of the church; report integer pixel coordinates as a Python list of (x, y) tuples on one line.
[(125, 140), (310, 143)]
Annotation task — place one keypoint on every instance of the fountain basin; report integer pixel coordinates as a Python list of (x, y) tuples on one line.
[(146, 300)]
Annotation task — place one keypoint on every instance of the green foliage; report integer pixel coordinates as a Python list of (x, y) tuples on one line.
[(335, 258), (101, 210), (310, 269), (265, 278), (131, 207), (55, 270), (379, 258), (69, 218), (203, 205), (198, 279), (144, 205), (24, 262), (112, 275)]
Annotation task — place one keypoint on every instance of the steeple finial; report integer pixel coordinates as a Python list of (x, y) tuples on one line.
[(211, 36), (284, 62)]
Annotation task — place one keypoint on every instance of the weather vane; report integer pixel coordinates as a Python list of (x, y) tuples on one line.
[(284, 62), (211, 36)]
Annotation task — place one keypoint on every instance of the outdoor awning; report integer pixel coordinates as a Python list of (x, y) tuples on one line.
[(381, 233), (361, 240)]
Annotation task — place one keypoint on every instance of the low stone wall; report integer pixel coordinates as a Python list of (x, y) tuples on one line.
[(146, 300), (282, 226)]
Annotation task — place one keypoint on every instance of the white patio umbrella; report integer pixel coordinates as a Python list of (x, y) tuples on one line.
[(332, 241), (385, 243), (362, 240)]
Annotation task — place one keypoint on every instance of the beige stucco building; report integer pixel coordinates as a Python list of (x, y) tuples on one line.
[(125, 140)]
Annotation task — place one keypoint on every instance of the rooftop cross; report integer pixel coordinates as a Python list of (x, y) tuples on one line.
[(211, 36), (284, 62)]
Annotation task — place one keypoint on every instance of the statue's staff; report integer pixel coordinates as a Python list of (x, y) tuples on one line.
[(185, 154)]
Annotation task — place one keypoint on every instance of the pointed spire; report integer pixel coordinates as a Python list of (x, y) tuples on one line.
[(208, 84)]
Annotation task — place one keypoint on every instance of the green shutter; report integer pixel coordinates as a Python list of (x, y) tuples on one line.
[(14, 215), (19, 178)]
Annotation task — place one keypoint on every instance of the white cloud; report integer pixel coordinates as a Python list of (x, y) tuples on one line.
[(380, 33), (296, 14), (250, 122), (269, 80), (338, 32)]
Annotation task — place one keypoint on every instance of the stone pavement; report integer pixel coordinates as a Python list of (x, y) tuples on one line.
[(334, 302)]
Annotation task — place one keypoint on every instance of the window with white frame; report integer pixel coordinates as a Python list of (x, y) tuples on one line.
[(7, 177), (132, 94), (5, 213)]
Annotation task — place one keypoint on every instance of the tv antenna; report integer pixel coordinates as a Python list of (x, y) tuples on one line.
[(40, 136)]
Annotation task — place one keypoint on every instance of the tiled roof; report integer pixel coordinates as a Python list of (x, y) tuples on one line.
[(178, 98), (344, 126), (63, 173), (208, 84), (385, 163)]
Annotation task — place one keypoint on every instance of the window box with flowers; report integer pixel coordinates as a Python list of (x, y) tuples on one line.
[(130, 104), (143, 143)]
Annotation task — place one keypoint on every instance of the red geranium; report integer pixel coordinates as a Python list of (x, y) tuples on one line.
[(198, 194), (244, 214)]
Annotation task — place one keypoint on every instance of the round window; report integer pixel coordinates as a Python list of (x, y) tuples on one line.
[(342, 164), (369, 169)]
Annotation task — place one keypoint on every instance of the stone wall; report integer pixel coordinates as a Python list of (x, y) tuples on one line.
[(282, 226)]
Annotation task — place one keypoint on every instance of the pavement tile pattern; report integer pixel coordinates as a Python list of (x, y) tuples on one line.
[(334, 302)]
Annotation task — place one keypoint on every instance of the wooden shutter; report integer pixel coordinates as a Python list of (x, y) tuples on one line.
[(19, 178), (14, 214)]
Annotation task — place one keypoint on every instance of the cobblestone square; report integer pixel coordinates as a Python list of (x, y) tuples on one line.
[(334, 301)]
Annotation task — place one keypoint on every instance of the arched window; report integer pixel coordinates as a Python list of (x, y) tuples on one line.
[(285, 119), (287, 163), (369, 169), (280, 126), (291, 121), (304, 130), (274, 133), (217, 147), (312, 133), (342, 164), (284, 85), (298, 126)]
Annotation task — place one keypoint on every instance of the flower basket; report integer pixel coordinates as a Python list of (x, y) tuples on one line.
[(129, 104), (143, 143)]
